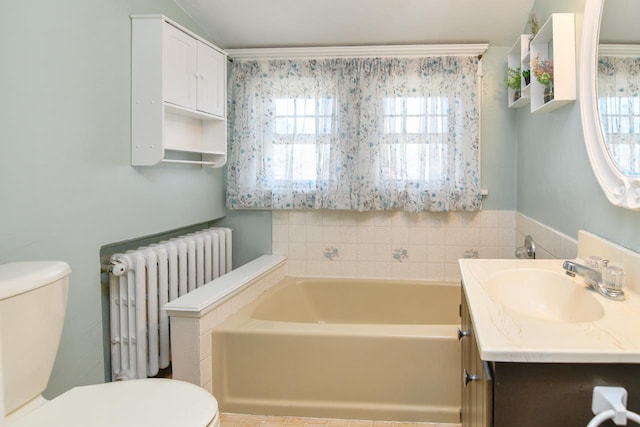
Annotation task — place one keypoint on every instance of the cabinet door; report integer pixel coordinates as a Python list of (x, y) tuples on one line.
[(477, 391), (211, 80), (179, 67)]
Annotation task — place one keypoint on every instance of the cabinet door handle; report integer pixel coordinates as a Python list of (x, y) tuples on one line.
[(462, 334), (468, 377)]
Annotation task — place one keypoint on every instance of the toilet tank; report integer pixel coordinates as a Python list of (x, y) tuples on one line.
[(33, 301)]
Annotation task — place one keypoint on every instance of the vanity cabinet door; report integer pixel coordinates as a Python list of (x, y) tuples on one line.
[(477, 391), (180, 53)]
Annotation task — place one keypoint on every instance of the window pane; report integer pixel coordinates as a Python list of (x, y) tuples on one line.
[(305, 126), (415, 106), (324, 125), (437, 124), (305, 107), (304, 167), (415, 124), (280, 161), (414, 161), (624, 124), (284, 126), (396, 124), (326, 106), (284, 107)]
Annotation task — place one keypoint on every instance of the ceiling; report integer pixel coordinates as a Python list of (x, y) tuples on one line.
[(234, 24)]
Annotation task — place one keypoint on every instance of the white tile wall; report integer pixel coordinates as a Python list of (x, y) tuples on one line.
[(191, 344), (389, 244), (550, 244)]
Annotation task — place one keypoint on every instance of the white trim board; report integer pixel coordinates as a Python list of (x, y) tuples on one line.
[(359, 51)]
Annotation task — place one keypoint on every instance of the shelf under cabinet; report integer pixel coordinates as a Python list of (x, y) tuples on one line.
[(195, 151), (182, 111)]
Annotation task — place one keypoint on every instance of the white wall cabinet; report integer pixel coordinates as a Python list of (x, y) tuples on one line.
[(178, 111)]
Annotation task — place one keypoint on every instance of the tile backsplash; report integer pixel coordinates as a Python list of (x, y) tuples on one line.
[(550, 244), (392, 244)]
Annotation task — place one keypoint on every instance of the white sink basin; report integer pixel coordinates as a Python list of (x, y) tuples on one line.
[(544, 295)]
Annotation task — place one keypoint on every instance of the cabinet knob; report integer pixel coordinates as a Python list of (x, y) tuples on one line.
[(462, 334), (467, 377)]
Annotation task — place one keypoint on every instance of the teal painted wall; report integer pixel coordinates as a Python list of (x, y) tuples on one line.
[(66, 186), (556, 185), (499, 148)]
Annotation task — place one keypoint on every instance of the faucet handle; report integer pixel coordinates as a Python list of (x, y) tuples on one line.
[(613, 277), (597, 263)]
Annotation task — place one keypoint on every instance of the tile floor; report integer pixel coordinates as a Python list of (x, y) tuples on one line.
[(241, 420)]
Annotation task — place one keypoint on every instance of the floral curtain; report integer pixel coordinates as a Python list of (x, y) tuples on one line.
[(358, 134), (619, 108)]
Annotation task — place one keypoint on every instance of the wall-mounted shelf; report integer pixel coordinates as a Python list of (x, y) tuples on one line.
[(519, 57), (555, 41), (178, 95)]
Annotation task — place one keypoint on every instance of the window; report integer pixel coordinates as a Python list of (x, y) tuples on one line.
[(299, 124), (303, 116), (413, 126), (416, 115), (621, 114), (620, 118)]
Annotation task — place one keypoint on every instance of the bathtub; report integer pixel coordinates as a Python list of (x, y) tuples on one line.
[(343, 348)]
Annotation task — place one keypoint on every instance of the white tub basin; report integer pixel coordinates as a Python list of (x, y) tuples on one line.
[(545, 295)]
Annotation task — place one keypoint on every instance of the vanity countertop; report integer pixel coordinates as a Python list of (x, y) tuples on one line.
[(505, 335)]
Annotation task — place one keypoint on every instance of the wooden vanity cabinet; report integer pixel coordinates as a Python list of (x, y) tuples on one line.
[(509, 394), (477, 394)]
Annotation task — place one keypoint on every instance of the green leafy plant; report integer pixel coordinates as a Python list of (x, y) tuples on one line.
[(513, 79), (534, 24), (527, 76)]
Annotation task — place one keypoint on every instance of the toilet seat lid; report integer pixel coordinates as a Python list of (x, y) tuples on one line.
[(147, 402)]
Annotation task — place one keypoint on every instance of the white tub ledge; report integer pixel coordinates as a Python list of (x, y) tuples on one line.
[(196, 314), (205, 298)]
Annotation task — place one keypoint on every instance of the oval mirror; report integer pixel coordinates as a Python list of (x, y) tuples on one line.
[(610, 97)]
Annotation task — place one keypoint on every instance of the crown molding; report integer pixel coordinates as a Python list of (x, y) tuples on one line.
[(630, 50), (384, 51)]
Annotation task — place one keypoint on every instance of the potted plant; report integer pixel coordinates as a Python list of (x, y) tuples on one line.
[(514, 81), (534, 24), (527, 77), (543, 70)]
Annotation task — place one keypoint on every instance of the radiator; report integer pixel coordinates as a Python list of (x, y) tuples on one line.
[(142, 281)]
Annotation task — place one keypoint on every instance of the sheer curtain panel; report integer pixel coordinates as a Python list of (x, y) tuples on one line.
[(619, 107), (359, 134)]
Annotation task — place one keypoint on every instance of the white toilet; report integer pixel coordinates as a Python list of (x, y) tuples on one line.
[(33, 301)]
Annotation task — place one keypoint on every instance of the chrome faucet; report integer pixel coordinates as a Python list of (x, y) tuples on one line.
[(528, 250), (593, 278)]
